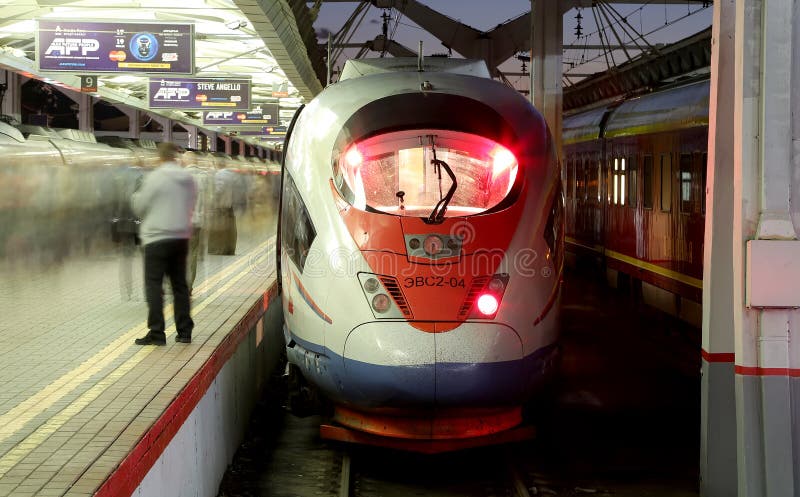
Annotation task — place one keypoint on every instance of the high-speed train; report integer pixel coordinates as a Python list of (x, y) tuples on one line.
[(421, 250)]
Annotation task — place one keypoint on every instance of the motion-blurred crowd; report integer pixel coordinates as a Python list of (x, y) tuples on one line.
[(60, 200)]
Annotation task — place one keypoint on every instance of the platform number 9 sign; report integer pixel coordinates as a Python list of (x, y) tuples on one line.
[(88, 84)]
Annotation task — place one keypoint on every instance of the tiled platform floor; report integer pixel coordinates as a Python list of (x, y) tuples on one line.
[(76, 394)]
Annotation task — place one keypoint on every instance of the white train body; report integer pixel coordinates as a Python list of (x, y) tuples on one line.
[(468, 318)]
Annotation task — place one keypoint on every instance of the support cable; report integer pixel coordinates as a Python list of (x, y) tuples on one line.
[(605, 16), (394, 30), (629, 30), (655, 30), (603, 40), (346, 33)]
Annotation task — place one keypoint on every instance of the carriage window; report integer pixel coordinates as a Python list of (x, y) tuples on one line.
[(618, 186), (633, 182), (647, 180), (570, 193), (401, 173), (666, 182), (580, 182), (566, 175), (685, 165), (595, 179), (297, 231), (704, 172)]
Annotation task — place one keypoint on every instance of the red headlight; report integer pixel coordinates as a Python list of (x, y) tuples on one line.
[(433, 244), (487, 304), (353, 157), (381, 303)]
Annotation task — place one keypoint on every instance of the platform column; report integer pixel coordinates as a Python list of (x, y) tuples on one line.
[(211, 141), (227, 141), (85, 109), (763, 242), (546, 70), (134, 120), (718, 396), (12, 101), (192, 136), (166, 127)]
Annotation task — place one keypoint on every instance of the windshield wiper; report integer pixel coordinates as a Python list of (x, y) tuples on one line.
[(437, 214)]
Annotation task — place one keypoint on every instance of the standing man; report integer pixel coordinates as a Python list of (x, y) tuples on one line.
[(165, 203)]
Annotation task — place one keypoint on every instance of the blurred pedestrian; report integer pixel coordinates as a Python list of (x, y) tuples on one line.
[(222, 235), (165, 203), (125, 224), (197, 242)]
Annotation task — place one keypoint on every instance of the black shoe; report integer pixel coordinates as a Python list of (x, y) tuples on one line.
[(149, 340), (181, 339)]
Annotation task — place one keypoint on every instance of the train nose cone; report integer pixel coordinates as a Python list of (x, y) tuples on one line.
[(395, 364)]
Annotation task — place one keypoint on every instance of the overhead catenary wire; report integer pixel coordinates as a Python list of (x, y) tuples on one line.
[(627, 28), (604, 14), (603, 41), (344, 35), (391, 36), (643, 36)]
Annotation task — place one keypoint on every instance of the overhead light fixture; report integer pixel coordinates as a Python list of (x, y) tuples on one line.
[(236, 24), (125, 79)]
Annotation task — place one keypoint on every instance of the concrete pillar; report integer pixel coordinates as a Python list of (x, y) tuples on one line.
[(12, 101), (211, 141), (546, 70), (134, 119), (85, 108), (193, 137), (228, 143), (767, 363), (86, 112), (718, 402)]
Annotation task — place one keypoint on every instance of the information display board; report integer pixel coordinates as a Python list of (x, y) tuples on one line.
[(87, 46), (262, 115), (199, 93)]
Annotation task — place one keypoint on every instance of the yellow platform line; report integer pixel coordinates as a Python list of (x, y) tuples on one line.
[(15, 455), (653, 268), (647, 266), (17, 417), (596, 248)]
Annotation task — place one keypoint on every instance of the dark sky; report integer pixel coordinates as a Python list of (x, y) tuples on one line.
[(663, 22)]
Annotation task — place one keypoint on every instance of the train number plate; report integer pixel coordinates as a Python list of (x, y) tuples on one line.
[(433, 281)]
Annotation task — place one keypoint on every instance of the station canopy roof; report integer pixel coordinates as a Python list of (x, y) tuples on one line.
[(228, 43)]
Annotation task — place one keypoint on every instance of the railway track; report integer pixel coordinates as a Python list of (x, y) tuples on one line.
[(619, 428), (285, 457), (373, 472)]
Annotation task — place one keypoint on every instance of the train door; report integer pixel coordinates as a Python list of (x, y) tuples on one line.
[(623, 195), (663, 247)]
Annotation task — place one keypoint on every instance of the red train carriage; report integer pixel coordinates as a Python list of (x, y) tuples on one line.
[(635, 193)]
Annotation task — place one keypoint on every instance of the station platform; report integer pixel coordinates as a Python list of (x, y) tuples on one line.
[(83, 410)]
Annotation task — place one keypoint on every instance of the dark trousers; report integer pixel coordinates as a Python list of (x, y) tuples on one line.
[(160, 258)]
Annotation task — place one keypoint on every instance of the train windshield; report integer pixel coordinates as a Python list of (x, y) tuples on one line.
[(410, 173)]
